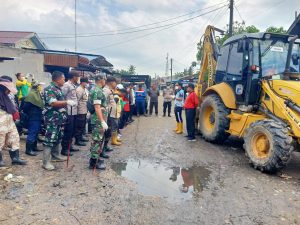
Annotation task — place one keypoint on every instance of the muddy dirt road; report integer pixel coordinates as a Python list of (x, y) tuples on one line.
[(155, 177)]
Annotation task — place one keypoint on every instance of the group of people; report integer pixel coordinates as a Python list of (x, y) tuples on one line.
[(62, 109), (188, 103)]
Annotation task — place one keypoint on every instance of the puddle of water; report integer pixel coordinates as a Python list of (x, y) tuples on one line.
[(174, 184)]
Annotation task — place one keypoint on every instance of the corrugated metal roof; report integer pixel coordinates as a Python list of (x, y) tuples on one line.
[(12, 37), (64, 60)]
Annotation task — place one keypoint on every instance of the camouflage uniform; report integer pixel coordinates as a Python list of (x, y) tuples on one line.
[(97, 97), (54, 117), (9, 135)]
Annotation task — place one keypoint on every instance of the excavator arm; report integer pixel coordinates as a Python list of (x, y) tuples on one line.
[(210, 50)]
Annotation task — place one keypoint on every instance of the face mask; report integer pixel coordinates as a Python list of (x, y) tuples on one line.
[(176, 88), (87, 86)]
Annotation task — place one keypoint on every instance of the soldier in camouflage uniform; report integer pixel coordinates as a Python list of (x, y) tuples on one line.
[(98, 118), (55, 116)]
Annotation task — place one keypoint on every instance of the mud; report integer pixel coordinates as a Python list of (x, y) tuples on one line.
[(138, 186)]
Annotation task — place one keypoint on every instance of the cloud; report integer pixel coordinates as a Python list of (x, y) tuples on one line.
[(144, 50)]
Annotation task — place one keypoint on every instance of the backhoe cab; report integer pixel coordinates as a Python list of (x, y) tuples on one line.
[(256, 96)]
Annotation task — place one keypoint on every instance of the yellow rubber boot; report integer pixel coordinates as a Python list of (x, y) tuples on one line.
[(114, 139), (180, 130), (177, 127)]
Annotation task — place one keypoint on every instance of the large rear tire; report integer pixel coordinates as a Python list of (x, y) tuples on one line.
[(268, 145), (213, 120)]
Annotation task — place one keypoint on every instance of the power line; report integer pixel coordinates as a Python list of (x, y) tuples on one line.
[(145, 25), (165, 28), (238, 12), (134, 31)]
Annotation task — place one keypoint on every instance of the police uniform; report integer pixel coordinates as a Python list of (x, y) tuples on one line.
[(69, 92), (97, 97)]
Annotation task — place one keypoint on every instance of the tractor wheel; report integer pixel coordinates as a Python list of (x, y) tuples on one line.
[(213, 121), (268, 145)]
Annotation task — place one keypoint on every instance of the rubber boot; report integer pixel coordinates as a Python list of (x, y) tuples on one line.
[(65, 148), (1, 160), (180, 130), (114, 138), (84, 139), (56, 156), (29, 149), (106, 148), (103, 154), (47, 158), (79, 143), (96, 164), (177, 127), (35, 148), (15, 158)]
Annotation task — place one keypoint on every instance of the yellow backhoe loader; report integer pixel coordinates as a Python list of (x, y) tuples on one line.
[(250, 88)]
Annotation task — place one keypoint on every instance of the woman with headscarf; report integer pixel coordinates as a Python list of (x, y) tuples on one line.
[(33, 108), (9, 135)]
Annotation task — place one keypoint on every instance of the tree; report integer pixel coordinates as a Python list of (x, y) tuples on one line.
[(278, 30), (131, 70)]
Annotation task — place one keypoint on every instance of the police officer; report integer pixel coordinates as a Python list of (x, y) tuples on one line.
[(55, 116), (69, 91), (98, 118)]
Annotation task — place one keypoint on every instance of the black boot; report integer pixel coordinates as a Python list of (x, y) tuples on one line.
[(65, 150), (79, 143), (72, 149), (35, 148), (29, 149), (104, 155), (1, 160), (96, 164), (84, 139), (106, 148), (15, 158)]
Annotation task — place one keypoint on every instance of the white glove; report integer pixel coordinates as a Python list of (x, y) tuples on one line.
[(71, 103), (104, 125)]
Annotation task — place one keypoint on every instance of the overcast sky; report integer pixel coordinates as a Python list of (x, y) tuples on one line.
[(146, 49)]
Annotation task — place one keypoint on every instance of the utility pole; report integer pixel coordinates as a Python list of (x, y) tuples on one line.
[(167, 65), (75, 27), (231, 17), (171, 69)]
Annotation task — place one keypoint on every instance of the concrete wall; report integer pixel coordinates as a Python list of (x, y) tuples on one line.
[(25, 61)]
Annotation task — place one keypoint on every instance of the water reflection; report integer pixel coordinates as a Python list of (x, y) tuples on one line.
[(174, 184)]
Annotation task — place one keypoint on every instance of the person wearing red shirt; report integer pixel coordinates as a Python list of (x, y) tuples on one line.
[(190, 106), (126, 110)]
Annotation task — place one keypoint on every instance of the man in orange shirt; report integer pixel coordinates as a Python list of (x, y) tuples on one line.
[(190, 106)]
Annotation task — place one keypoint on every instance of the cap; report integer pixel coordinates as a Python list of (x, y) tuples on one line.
[(120, 86)]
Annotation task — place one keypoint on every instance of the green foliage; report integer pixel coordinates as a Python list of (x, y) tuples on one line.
[(131, 70), (278, 30)]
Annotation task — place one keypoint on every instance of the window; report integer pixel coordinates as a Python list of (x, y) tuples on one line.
[(222, 60), (235, 64)]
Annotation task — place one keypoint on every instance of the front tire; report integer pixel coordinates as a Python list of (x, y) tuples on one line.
[(213, 120), (268, 145)]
